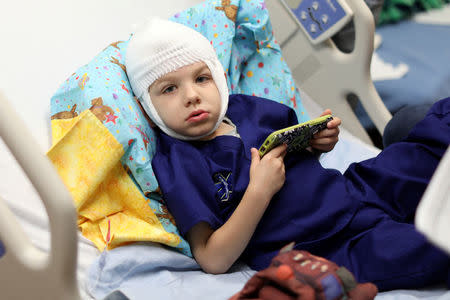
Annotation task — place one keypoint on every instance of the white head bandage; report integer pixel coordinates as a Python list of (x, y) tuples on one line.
[(160, 47)]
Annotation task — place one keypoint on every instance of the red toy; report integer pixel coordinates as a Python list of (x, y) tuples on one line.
[(296, 274)]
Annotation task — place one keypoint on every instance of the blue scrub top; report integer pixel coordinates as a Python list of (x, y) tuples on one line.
[(362, 220), (205, 180)]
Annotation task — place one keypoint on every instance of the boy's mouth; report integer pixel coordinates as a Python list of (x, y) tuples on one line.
[(198, 115)]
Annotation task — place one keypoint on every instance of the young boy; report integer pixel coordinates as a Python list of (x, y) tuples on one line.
[(230, 203)]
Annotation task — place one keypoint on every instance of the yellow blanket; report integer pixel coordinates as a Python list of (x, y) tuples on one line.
[(112, 211)]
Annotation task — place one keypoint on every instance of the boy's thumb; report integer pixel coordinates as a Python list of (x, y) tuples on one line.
[(255, 154)]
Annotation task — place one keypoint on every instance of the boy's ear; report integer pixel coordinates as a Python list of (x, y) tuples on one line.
[(152, 125)]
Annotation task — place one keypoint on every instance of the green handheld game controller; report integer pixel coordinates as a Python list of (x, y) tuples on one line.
[(296, 137)]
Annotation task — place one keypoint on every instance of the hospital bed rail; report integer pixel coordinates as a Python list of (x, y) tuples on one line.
[(32, 273)]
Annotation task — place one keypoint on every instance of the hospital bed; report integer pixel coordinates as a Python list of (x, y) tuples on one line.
[(414, 48), (411, 67), (49, 258)]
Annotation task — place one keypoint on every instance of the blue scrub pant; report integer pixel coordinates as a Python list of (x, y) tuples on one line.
[(381, 244)]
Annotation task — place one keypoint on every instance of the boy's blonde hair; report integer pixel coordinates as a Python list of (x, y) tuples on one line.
[(160, 47)]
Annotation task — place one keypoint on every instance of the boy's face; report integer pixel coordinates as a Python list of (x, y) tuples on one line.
[(187, 100)]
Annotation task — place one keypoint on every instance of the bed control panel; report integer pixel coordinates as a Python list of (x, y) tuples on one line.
[(320, 19)]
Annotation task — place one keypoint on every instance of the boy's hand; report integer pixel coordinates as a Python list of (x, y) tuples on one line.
[(326, 139), (267, 174)]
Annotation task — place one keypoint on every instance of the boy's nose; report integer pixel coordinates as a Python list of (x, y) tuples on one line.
[(192, 96)]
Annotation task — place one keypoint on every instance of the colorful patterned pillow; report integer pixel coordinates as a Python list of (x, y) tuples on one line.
[(102, 87), (241, 33)]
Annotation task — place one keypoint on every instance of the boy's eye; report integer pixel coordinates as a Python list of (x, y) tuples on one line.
[(169, 89), (202, 78)]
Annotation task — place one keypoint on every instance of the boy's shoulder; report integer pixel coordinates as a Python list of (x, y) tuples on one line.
[(247, 102), (253, 112)]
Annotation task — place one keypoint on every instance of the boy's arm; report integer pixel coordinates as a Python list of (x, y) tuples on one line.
[(216, 251)]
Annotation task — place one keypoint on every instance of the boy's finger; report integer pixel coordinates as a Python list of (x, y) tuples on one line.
[(255, 155), (323, 148), (327, 133), (334, 123), (324, 141), (326, 112), (277, 151), (283, 154)]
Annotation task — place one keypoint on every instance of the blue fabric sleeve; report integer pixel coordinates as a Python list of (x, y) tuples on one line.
[(187, 186)]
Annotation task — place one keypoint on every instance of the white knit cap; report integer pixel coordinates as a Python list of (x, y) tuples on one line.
[(160, 47)]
